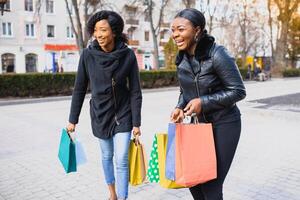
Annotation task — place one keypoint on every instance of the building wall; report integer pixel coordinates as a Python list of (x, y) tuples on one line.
[(20, 45)]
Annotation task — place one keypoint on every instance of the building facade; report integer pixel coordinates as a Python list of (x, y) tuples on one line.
[(38, 37)]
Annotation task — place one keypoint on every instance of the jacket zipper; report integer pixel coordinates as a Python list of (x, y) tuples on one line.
[(113, 83), (198, 92)]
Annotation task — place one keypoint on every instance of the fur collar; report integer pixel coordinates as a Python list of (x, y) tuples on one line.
[(202, 51)]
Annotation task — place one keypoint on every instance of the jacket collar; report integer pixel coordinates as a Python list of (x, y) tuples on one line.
[(120, 49), (203, 49)]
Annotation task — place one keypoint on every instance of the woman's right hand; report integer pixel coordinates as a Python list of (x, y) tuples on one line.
[(71, 127), (177, 115)]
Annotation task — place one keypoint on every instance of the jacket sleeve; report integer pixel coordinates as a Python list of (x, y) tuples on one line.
[(227, 70), (135, 93), (79, 91), (181, 102)]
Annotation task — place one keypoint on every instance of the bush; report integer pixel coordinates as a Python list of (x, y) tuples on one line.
[(292, 72), (44, 84), (36, 84), (243, 72), (158, 78)]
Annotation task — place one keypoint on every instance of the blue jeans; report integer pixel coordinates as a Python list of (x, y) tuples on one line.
[(116, 146)]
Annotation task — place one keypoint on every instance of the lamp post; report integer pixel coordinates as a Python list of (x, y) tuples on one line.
[(2, 3)]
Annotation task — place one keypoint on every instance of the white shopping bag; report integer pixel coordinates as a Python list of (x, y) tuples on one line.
[(80, 154)]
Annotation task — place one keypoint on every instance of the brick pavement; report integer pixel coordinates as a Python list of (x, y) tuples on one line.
[(266, 166)]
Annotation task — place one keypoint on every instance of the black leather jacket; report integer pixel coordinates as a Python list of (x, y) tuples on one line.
[(213, 76)]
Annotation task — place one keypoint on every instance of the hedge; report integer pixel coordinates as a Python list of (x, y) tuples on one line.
[(292, 72), (45, 84)]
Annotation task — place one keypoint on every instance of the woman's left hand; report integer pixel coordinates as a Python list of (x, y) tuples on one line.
[(136, 131), (194, 106)]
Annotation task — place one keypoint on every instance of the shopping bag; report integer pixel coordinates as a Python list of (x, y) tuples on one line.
[(137, 164), (170, 157), (162, 150), (80, 153), (195, 154), (66, 152), (153, 171)]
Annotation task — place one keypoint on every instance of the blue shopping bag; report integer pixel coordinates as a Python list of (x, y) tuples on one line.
[(66, 152), (170, 157), (80, 154)]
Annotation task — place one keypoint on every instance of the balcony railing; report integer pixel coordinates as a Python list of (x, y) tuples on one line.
[(134, 42), (132, 21), (165, 25)]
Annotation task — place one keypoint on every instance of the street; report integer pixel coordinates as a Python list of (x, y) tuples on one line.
[(266, 165)]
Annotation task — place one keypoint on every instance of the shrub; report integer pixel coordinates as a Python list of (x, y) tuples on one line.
[(44, 84), (292, 72)]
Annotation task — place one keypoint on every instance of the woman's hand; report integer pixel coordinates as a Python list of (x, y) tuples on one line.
[(194, 106), (177, 115), (136, 131), (71, 127)]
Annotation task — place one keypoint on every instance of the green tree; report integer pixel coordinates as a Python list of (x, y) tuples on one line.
[(170, 51)]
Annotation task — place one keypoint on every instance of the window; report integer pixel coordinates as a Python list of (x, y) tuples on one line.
[(7, 5), (162, 35), (50, 31), (8, 63), (29, 5), (31, 62), (70, 33), (6, 29), (146, 35), (49, 6), (30, 30)]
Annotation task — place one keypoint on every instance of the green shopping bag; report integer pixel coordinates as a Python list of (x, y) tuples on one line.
[(66, 153), (153, 171)]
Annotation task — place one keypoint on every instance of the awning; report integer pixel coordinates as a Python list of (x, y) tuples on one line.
[(60, 47)]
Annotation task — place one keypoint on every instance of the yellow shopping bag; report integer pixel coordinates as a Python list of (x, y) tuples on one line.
[(162, 150), (137, 164)]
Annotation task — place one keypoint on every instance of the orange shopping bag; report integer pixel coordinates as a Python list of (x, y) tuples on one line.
[(195, 154)]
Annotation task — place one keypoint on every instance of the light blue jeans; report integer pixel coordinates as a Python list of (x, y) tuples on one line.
[(117, 147)]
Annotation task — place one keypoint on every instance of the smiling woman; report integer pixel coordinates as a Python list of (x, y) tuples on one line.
[(104, 35), (210, 86), (111, 69)]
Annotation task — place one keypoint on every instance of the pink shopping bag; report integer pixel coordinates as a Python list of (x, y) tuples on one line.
[(195, 154)]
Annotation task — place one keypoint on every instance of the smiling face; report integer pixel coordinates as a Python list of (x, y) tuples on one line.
[(104, 35), (183, 33)]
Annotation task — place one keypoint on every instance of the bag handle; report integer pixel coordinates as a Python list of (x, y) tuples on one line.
[(193, 118)]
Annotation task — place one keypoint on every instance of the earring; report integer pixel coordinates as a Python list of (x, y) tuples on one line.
[(196, 39)]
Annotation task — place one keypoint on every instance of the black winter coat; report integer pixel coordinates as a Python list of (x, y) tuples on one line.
[(213, 76), (116, 98)]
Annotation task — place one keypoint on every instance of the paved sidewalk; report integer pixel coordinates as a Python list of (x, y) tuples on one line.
[(266, 166)]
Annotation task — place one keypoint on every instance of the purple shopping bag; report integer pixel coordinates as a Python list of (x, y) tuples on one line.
[(170, 157)]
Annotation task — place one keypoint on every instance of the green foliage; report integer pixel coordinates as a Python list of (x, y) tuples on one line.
[(243, 72), (170, 51), (158, 78), (291, 72), (42, 84), (239, 62), (36, 84)]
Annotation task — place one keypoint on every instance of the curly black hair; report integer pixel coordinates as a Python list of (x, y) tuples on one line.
[(115, 21)]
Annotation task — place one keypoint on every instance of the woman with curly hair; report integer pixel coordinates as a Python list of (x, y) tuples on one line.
[(111, 70)]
